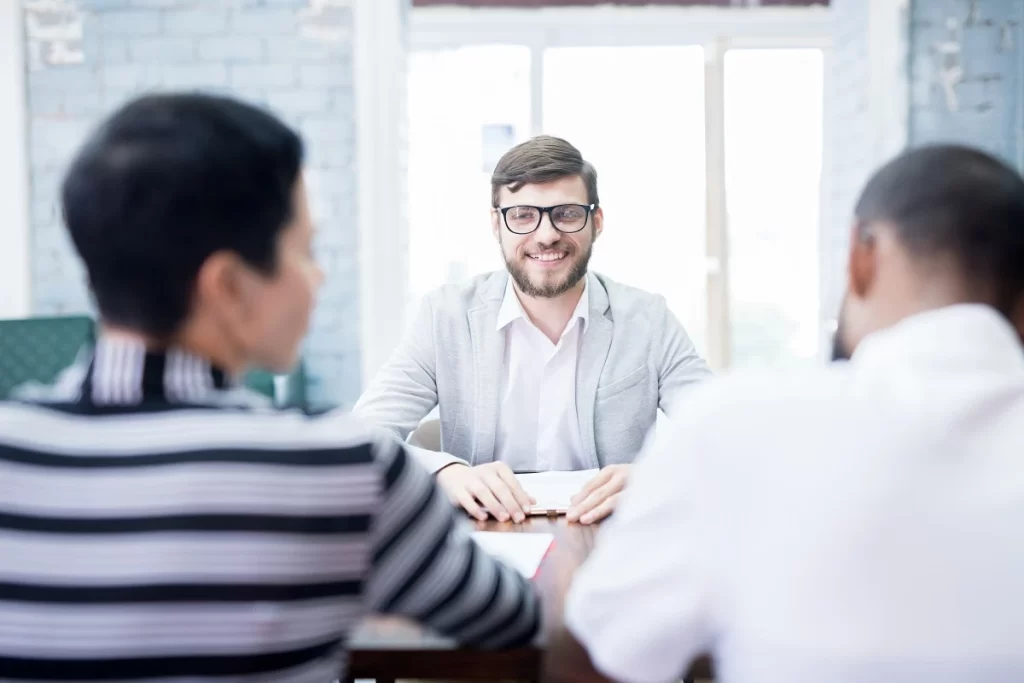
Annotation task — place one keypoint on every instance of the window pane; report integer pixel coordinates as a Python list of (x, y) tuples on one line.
[(773, 139), (467, 106), (637, 113)]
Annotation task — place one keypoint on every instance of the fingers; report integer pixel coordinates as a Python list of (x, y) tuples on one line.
[(465, 499), (482, 492), (579, 510), (523, 500), (601, 511), (598, 481), (505, 496)]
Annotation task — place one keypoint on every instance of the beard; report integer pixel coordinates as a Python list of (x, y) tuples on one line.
[(550, 290)]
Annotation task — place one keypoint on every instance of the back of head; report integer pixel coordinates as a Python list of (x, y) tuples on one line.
[(961, 205), (164, 183), (542, 159)]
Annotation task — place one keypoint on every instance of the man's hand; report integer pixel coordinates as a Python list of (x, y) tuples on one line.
[(598, 498), (486, 488)]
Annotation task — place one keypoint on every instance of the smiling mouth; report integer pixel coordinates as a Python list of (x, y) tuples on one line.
[(548, 257)]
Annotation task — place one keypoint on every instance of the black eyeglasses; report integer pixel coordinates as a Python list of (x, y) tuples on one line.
[(522, 220)]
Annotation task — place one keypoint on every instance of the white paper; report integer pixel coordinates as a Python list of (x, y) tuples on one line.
[(521, 551), (552, 490)]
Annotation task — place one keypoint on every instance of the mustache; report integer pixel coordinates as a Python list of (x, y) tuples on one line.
[(547, 248)]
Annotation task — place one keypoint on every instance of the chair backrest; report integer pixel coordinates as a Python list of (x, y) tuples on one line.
[(38, 349), (287, 391), (427, 435)]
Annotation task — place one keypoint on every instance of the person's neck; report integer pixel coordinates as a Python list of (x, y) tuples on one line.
[(190, 340), (552, 315)]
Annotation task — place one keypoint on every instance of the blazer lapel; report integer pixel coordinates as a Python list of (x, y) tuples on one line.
[(488, 354), (593, 352)]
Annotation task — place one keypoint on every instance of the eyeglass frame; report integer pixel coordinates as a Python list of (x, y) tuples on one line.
[(540, 218)]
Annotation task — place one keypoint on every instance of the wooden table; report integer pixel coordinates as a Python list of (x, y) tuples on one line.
[(386, 649)]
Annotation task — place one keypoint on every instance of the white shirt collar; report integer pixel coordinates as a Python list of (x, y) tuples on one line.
[(511, 308), (965, 335)]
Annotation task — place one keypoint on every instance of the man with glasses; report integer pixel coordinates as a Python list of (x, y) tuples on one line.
[(543, 367)]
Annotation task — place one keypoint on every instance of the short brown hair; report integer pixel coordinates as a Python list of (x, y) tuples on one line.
[(541, 160)]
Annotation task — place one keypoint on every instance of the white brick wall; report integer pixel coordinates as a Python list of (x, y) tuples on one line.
[(848, 135), (255, 49)]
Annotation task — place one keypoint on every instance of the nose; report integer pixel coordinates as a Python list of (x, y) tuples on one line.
[(546, 232)]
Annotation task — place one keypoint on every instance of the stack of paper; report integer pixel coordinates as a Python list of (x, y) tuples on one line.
[(523, 552), (552, 490)]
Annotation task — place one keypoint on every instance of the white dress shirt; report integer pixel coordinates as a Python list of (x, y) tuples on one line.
[(538, 429), (862, 522)]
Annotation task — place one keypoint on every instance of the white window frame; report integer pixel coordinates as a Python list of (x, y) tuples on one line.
[(716, 29), (379, 60), (15, 228)]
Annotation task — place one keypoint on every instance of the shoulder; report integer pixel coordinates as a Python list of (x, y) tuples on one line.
[(337, 436), (746, 405), (628, 302), (456, 299)]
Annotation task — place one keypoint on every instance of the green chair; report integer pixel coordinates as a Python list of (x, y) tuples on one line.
[(287, 391), (38, 349)]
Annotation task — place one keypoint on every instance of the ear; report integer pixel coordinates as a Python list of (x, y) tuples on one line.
[(496, 221), (598, 219), (863, 259), (222, 285)]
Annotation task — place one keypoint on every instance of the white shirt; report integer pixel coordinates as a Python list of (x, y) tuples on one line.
[(863, 522), (538, 429)]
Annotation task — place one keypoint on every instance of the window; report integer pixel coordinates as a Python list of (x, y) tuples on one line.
[(773, 145), (680, 111)]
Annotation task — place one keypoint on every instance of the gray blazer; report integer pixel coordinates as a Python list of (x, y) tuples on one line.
[(634, 359)]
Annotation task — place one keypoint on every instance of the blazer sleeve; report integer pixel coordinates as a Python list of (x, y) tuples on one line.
[(405, 389), (680, 366)]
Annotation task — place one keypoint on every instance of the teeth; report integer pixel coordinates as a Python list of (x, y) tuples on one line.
[(548, 257)]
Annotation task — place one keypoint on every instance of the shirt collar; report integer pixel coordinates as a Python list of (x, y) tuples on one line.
[(122, 371), (968, 336), (511, 309)]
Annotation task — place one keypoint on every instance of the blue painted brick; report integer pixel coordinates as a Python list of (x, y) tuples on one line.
[(295, 49), (166, 4), (263, 22), (46, 102), (208, 21), (130, 23), (988, 113), (85, 103), (232, 49), (131, 76), (194, 76), (325, 75), (162, 50), (103, 5), (264, 75), (110, 50), (298, 101), (65, 78)]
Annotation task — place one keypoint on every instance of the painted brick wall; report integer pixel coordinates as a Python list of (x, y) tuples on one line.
[(294, 56), (985, 40), (848, 155)]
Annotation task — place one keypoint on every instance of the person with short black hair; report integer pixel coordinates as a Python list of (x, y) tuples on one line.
[(160, 522), (851, 523)]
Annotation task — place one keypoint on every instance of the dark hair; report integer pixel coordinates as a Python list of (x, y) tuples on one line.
[(541, 160), (164, 183), (957, 202)]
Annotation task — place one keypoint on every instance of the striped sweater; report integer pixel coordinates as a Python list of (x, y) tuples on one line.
[(156, 523)]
